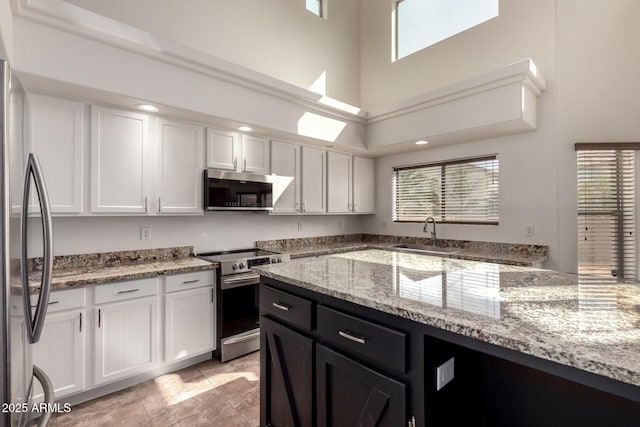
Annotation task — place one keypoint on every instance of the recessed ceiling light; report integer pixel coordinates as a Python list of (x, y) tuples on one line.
[(148, 107), (421, 142), (244, 128)]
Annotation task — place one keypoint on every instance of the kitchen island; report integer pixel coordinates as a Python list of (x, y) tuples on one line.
[(530, 346)]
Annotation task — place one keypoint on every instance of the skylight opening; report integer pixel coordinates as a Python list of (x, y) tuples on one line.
[(422, 23)]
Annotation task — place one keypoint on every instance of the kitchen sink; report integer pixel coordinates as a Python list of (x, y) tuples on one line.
[(426, 249)]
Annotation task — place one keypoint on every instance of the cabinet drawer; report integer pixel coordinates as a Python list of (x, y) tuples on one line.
[(182, 282), (368, 339), (290, 308), (126, 290), (62, 300)]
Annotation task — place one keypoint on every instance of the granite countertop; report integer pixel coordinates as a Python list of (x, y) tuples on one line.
[(586, 322), (88, 269), (511, 254)]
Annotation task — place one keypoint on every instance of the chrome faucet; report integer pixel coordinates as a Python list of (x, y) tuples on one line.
[(433, 233)]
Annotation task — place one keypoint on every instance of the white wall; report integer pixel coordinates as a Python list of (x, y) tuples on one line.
[(213, 231), (262, 35), (598, 91), (6, 31), (587, 51), (524, 29)]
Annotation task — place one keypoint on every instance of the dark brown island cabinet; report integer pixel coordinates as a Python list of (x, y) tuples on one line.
[(326, 362)]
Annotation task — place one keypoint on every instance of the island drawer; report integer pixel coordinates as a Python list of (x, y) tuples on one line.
[(359, 336), (287, 307)]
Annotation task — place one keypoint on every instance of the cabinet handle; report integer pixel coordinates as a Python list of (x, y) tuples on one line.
[(49, 303), (99, 317), (159, 205), (281, 306), (245, 165), (80, 322), (190, 281), (351, 337), (304, 208), (146, 204), (212, 295), (235, 162), (128, 291)]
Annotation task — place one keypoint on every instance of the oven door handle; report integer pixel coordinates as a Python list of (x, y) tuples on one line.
[(241, 339), (231, 283)]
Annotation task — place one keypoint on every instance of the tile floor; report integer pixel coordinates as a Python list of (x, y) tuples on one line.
[(207, 394)]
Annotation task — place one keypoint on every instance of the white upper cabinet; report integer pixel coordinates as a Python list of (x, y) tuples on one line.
[(256, 155), (313, 180), (119, 161), (235, 152), (363, 185), (285, 164), (339, 183), (223, 149), (57, 136), (349, 184), (179, 168)]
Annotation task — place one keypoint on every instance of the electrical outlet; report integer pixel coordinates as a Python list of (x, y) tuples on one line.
[(529, 230), (145, 233), (444, 373), (299, 226)]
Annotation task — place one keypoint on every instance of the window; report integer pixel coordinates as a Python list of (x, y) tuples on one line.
[(458, 191), (315, 7), (607, 243), (421, 23)]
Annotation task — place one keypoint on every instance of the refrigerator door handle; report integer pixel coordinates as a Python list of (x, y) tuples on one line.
[(36, 323), (49, 397)]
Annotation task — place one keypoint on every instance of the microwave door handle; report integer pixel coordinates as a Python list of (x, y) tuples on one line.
[(34, 329)]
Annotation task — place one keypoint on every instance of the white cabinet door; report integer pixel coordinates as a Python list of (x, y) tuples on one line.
[(256, 155), (119, 161), (363, 185), (339, 195), (223, 149), (285, 164), (179, 168), (57, 136), (189, 323), (60, 352), (313, 180), (126, 338)]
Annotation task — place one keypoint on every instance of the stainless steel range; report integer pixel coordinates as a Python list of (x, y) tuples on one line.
[(238, 318)]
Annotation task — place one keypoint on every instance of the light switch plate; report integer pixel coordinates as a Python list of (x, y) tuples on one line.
[(444, 373)]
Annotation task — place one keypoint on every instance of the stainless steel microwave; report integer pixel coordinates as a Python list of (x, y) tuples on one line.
[(236, 191)]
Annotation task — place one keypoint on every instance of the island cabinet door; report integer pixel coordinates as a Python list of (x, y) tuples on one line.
[(350, 394), (286, 364)]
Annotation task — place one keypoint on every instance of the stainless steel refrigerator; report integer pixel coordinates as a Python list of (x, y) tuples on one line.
[(25, 232)]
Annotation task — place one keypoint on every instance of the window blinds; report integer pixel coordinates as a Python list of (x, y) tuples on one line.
[(606, 211), (461, 191)]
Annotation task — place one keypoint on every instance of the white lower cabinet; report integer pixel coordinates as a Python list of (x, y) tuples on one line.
[(95, 335), (60, 352), (126, 338), (189, 323), (61, 349)]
